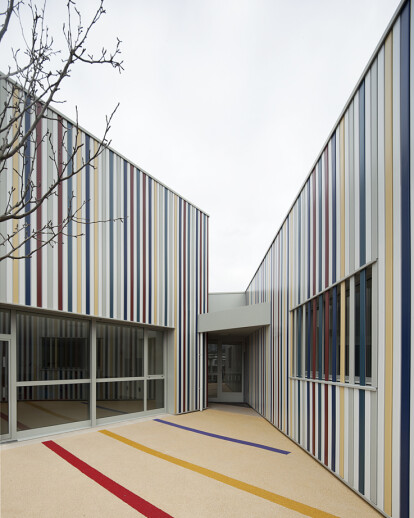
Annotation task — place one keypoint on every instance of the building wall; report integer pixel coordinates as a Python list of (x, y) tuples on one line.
[(146, 262), (341, 382)]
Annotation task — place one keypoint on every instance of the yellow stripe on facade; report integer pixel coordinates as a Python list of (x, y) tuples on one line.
[(96, 229), (283, 501), (342, 173), (388, 278), (78, 216), (15, 198)]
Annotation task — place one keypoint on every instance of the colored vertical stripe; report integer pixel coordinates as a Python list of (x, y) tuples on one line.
[(111, 234), (87, 226), (388, 278), (405, 473), (70, 224)]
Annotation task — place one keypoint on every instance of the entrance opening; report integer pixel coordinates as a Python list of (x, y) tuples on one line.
[(225, 367), (4, 390)]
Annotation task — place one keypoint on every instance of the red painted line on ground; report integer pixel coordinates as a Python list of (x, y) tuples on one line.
[(19, 424), (130, 498)]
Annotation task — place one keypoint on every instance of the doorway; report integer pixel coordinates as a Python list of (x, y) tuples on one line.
[(4, 390), (225, 365)]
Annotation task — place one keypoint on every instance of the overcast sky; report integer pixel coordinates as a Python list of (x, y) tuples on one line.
[(228, 102)]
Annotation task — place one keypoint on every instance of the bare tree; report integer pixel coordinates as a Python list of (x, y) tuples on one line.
[(28, 88)]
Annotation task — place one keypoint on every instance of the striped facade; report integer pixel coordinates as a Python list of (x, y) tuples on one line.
[(146, 262), (341, 382)]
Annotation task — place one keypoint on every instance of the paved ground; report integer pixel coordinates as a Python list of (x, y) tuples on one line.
[(150, 468)]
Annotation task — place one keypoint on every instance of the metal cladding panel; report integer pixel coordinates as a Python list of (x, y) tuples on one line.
[(145, 261), (355, 210)]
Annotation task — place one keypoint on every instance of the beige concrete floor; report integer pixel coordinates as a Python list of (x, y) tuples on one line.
[(36, 482)]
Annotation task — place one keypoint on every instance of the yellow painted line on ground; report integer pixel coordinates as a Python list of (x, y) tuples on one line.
[(47, 411), (238, 484)]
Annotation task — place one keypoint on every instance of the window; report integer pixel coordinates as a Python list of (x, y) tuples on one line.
[(320, 321), (50, 348)]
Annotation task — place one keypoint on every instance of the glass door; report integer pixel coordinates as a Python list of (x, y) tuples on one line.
[(225, 372), (4, 390)]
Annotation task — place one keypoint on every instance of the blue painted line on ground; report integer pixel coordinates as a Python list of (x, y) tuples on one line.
[(106, 408), (225, 438)]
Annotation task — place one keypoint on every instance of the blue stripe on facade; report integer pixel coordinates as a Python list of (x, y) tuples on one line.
[(125, 225), (26, 199), (87, 226), (111, 234), (405, 472), (69, 200), (362, 213)]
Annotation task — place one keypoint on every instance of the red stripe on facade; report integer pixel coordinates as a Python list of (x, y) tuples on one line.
[(326, 372), (208, 239), (314, 231), (201, 249), (136, 502), (60, 237), (314, 338), (39, 210), (144, 253), (131, 248), (326, 220)]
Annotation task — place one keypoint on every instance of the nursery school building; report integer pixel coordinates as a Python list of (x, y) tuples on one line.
[(119, 323)]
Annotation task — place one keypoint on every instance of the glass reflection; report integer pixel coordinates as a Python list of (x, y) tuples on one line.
[(5, 321), (52, 348), (50, 405), (118, 398), (155, 394), (4, 387), (231, 368), (119, 351), (155, 353), (212, 370)]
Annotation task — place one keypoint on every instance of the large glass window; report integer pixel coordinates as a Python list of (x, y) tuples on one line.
[(321, 359), (54, 376), (50, 348), (124, 351)]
